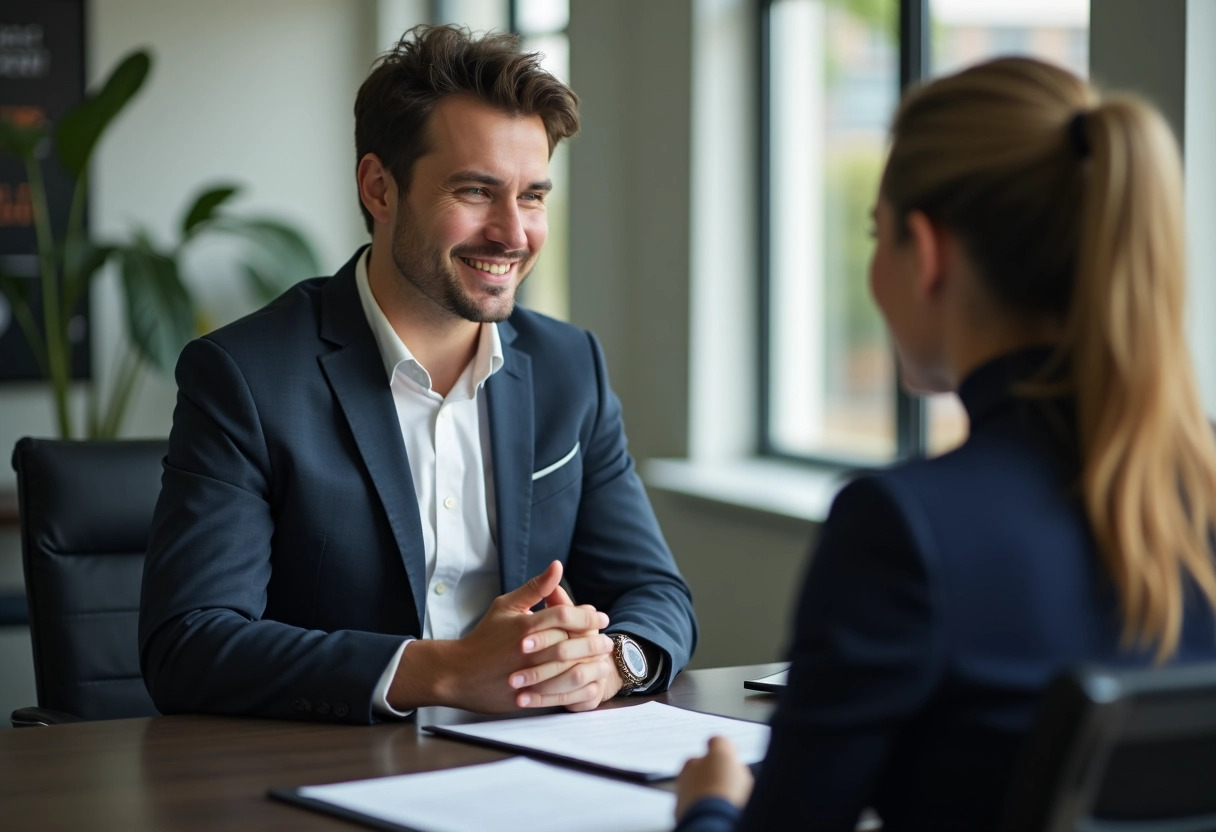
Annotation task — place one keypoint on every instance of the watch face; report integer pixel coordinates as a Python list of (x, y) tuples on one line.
[(634, 658)]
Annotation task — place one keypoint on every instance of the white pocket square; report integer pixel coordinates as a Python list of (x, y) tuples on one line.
[(544, 472)]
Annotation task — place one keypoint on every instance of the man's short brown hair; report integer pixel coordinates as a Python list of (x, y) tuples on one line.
[(430, 63)]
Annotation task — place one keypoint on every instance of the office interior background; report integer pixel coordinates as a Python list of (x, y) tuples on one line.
[(710, 225)]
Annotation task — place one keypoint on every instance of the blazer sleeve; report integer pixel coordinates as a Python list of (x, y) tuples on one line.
[(204, 645), (865, 658), (619, 561), (710, 814)]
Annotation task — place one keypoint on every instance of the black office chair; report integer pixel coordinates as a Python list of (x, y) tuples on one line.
[(1120, 751), (85, 513)]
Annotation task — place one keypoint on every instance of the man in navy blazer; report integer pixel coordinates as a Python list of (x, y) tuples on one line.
[(375, 484)]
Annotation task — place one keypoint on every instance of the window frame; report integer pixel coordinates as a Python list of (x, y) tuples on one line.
[(911, 423)]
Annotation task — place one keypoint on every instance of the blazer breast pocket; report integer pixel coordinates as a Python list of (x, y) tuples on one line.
[(563, 472)]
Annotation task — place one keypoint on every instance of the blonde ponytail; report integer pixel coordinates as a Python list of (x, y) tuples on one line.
[(1149, 461), (1072, 209)]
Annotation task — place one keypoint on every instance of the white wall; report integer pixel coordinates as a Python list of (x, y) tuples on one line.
[(256, 92), (630, 169)]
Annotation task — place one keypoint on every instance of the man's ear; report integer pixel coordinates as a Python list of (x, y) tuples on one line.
[(928, 251), (377, 188)]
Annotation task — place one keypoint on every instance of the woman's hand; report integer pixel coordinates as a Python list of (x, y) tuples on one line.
[(718, 774)]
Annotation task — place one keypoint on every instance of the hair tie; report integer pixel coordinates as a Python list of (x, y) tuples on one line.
[(1078, 136)]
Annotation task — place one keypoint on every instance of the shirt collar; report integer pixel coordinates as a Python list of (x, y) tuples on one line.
[(394, 352)]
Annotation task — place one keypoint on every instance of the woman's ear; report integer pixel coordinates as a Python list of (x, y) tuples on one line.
[(927, 253)]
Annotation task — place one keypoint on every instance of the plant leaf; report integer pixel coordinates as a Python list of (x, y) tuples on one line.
[(160, 311), (204, 207), (82, 259), (18, 141), (276, 258), (81, 128), (263, 287)]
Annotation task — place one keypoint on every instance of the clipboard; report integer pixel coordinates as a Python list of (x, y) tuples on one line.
[(773, 683), (508, 792), (645, 742), (577, 763), (294, 797)]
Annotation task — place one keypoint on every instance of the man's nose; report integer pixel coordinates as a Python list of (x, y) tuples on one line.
[(506, 226)]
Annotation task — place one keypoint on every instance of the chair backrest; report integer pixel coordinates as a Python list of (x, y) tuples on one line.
[(85, 514), (1127, 750)]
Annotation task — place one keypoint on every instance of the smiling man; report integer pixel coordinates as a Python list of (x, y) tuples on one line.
[(376, 484)]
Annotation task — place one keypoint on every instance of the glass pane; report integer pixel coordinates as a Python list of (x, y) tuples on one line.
[(541, 16), (965, 32), (834, 82)]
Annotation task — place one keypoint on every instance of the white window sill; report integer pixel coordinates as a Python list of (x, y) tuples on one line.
[(784, 489)]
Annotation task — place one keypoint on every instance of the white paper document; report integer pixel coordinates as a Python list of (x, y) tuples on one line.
[(516, 794), (650, 740)]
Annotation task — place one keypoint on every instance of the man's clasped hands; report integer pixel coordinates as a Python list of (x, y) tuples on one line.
[(515, 657)]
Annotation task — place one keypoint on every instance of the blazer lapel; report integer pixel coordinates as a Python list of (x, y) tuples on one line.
[(512, 441), (355, 373)]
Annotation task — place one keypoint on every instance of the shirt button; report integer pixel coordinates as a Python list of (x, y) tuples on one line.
[(443, 413), (449, 502), (441, 588)]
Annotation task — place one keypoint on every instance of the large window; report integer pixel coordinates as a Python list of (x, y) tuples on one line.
[(831, 75)]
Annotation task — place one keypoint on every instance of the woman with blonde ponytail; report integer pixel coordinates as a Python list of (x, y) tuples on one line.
[(1029, 256)]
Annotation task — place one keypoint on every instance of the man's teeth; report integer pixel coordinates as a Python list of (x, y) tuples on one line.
[(492, 268)]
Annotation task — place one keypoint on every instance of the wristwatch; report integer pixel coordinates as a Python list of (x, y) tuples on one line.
[(630, 663)]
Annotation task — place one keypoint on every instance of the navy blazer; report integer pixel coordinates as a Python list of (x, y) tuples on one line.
[(286, 555), (943, 597)]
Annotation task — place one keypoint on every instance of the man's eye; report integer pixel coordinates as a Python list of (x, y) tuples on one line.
[(475, 191), (532, 197)]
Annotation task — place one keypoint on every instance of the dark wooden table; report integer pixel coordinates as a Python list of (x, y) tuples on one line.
[(212, 773)]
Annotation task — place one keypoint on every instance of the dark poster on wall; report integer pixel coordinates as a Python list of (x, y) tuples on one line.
[(41, 77)]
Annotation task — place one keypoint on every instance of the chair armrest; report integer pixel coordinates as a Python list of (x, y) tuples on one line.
[(27, 717)]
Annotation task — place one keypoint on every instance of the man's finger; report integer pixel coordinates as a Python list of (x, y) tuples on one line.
[(535, 590), (574, 620), (539, 640), (559, 598), (563, 677), (560, 658), (587, 693)]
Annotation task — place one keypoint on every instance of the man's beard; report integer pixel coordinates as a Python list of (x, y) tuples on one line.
[(432, 273)]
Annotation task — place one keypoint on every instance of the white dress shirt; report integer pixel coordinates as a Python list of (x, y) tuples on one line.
[(447, 442)]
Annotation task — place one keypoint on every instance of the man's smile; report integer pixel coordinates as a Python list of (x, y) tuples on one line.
[(486, 266)]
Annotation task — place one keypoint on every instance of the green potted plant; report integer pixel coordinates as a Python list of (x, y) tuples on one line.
[(161, 314)]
